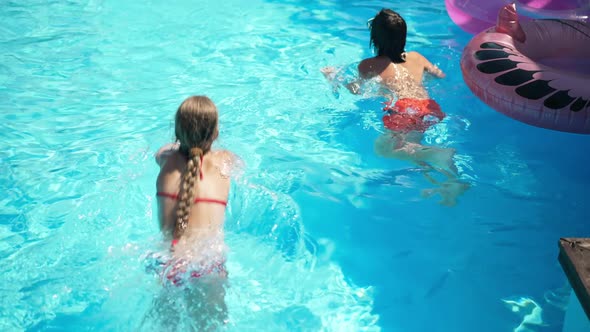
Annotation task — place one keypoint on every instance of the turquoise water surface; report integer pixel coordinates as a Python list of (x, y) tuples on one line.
[(324, 235)]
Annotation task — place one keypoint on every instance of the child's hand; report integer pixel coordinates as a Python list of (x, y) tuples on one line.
[(329, 72), (435, 71), (354, 87)]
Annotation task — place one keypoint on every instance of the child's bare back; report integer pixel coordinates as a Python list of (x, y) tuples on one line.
[(405, 78)]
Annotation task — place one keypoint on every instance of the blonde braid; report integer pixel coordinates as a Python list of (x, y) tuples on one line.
[(187, 191)]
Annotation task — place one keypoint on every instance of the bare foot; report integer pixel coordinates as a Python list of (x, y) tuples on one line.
[(449, 191)]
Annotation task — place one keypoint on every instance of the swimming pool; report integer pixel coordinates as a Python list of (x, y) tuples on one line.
[(324, 234)]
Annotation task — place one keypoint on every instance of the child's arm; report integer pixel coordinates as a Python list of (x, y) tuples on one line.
[(431, 69), (330, 73), (434, 70), (354, 87)]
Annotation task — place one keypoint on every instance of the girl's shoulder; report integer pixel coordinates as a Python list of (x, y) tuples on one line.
[(227, 162), (223, 155), (414, 56), (165, 152), (371, 67)]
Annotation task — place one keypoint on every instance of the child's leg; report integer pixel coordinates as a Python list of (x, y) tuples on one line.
[(405, 147), (448, 190), (439, 158), (205, 301)]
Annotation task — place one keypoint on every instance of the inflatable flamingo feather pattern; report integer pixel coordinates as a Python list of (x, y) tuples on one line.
[(533, 71)]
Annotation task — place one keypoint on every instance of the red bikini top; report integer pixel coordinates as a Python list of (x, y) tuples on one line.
[(196, 200)]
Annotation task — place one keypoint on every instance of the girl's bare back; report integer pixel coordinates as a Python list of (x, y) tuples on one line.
[(211, 190), (404, 79)]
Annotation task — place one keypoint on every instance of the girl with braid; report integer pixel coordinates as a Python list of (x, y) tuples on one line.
[(192, 189), (193, 184)]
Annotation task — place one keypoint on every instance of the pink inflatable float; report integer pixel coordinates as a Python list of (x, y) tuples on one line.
[(537, 71), (474, 16)]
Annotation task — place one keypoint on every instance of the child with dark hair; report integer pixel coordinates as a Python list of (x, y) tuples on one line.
[(402, 72), (410, 111)]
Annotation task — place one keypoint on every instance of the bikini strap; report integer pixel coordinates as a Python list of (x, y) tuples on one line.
[(201, 167)]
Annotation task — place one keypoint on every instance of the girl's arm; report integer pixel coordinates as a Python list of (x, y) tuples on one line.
[(430, 68), (434, 70), (330, 73)]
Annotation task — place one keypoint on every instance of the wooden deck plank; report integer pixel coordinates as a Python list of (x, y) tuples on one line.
[(574, 257)]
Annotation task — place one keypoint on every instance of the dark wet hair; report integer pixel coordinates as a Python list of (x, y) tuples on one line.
[(388, 35)]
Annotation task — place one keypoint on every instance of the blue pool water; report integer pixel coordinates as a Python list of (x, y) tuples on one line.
[(323, 234)]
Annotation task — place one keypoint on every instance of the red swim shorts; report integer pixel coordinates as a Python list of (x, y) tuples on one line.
[(409, 114)]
